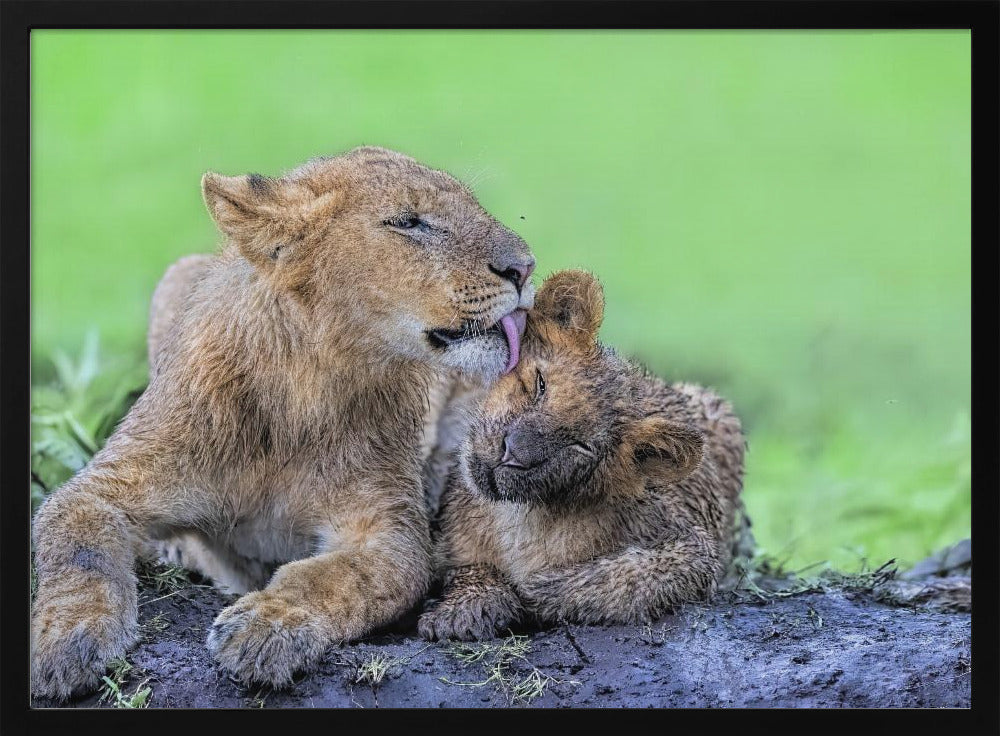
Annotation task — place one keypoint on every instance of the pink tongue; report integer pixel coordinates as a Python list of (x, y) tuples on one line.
[(512, 327)]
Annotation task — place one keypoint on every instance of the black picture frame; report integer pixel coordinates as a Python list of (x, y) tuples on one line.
[(18, 18)]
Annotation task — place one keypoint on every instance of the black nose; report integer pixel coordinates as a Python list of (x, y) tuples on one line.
[(522, 447), (509, 458), (516, 272)]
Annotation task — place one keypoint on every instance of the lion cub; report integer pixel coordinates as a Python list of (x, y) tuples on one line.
[(294, 376), (587, 490)]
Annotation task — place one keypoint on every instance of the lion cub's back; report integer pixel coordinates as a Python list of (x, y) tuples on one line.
[(168, 298), (725, 443)]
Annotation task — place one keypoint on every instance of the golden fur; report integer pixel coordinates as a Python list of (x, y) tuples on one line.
[(284, 421), (587, 490)]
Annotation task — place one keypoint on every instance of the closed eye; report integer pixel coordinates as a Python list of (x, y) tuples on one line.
[(583, 448), (406, 221)]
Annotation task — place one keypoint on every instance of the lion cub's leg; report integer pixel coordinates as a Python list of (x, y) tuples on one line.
[(478, 603), (229, 572), (87, 535), (373, 566), (633, 586)]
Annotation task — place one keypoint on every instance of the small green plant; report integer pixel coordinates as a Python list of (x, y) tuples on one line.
[(112, 691), (163, 578), (73, 415), (138, 699)]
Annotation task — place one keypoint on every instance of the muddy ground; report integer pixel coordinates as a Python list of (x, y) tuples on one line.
[(814, 649)]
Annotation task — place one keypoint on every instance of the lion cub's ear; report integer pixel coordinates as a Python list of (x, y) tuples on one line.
[(670, 450), (263, 216), (574, 300)]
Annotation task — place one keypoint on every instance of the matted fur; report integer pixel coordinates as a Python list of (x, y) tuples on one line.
[(292, 375), (588, 489)]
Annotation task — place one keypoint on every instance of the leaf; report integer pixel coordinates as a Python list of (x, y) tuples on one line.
[(65, 372), (62, 450), (140, 698), (73, 416), (81, 435), (47, 419), (88, 367)]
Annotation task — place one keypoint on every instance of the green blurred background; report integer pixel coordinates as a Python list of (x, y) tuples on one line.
[(783, 215)]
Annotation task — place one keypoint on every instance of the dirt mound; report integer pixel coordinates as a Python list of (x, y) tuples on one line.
[(814, 647)]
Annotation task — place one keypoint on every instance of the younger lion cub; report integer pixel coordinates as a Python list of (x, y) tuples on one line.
[(587, 490)]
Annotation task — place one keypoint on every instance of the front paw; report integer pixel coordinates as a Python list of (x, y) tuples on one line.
[(75, 635), (262, 638), (468, 619)]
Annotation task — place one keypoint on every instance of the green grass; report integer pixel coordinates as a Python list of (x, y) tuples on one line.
[(113, 688), (783, 215)]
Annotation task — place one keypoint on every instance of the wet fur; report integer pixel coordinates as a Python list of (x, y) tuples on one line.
[(624, 535)]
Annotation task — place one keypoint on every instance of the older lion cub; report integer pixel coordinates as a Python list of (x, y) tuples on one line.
[(587, 490), (283, 423)]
